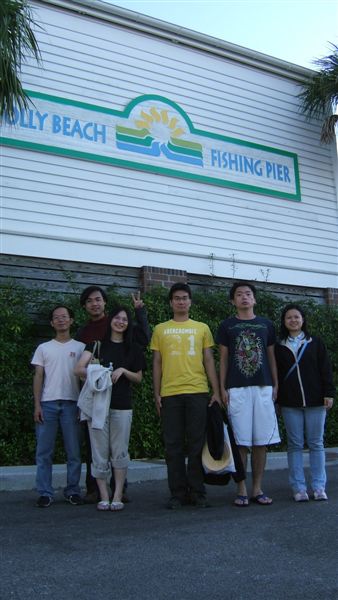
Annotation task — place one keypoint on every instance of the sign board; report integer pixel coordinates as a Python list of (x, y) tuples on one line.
[(151, 134)]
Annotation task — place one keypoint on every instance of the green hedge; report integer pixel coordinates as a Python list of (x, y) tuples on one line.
[(24, 323)]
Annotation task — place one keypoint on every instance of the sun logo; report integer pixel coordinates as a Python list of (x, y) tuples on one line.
[(160, 125), (157, 133)]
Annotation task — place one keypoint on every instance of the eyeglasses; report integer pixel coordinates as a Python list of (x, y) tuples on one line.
[(61, 318), (181, 298)]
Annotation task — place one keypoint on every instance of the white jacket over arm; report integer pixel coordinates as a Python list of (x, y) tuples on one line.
[(94, 398)]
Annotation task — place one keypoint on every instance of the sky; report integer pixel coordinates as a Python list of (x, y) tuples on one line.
[(298, 31)]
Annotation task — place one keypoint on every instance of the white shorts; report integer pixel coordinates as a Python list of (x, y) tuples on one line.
[(252, 416)]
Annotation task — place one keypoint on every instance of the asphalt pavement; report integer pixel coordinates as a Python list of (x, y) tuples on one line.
[(146, 552)]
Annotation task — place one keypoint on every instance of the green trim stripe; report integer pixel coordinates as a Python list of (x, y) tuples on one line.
[(143, 167)]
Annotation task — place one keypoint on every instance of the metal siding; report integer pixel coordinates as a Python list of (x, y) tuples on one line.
[(165, 221)]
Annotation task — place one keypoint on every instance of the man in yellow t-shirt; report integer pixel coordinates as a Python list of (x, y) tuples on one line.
[(182, 364)]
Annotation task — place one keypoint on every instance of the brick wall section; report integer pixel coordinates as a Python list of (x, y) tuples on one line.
[(150, 276), (331, 296)]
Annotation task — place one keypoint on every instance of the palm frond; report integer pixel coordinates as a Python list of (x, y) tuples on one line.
[(319, 97), (328, 129), (17, 43)]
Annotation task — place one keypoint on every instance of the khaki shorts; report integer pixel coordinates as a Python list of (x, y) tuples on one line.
[(110, 444)]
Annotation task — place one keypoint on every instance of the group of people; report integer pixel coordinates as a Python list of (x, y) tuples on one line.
[(60, 365), (257, 373)]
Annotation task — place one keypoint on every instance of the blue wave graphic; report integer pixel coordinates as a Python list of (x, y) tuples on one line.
[(156, 149), (181, 157)]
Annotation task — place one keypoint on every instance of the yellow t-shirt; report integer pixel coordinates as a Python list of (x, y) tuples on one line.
[(181, 346)]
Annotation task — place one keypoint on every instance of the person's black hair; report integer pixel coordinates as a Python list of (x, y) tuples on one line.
[(284, 332), (89, 290), (69, 310), (128, 333), (238, 284), (179, 287)]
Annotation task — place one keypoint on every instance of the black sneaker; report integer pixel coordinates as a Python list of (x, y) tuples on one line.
[(75, 500), (174, 503), (200, 501), (44, 501)]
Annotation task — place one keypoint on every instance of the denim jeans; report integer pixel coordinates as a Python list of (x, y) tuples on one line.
[(184, 421), (55, 412), (305, 423)]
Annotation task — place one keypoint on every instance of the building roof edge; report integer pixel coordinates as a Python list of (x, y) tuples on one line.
[(181, 35)]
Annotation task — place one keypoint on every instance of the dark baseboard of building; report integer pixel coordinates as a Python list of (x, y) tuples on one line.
[(70, 277)]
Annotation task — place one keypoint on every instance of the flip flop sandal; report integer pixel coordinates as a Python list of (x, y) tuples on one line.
[(102, 505), (241, 501), (115, 506), (262, 500)]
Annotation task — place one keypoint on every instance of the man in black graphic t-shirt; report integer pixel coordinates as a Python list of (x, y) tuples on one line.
[(248, 379), (247, 342)]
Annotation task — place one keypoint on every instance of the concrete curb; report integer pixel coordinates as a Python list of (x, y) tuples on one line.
[(23, 477)]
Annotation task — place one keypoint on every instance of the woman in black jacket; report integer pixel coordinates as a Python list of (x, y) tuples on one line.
[(305, 392)]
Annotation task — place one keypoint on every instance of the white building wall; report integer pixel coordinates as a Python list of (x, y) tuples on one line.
[(64, 208)]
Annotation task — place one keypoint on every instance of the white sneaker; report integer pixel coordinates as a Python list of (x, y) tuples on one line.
[(301, 496), (319, 495)]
